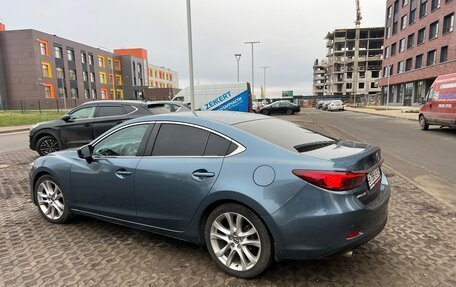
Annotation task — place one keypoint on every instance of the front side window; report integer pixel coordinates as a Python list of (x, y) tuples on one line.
[(84, 113), (124, 142)]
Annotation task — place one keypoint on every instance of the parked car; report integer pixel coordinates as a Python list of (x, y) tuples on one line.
[(91, 119), (224, 180), (280, 107), (335, 105), (320, 104), (439, 106), (325, 105)]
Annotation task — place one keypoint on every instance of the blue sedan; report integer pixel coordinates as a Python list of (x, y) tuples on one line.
[(252, 188)]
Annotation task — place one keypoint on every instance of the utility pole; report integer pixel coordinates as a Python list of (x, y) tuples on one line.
[(238, 58), (253, 69), (190, 57), (264, 79)]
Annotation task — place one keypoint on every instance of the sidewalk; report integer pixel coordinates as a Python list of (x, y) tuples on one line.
[(13, 129), (407, 113)]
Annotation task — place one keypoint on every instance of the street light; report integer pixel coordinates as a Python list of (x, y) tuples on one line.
[(264, 79), (112, 71), (238, 58), (190, 57), (253, 71)]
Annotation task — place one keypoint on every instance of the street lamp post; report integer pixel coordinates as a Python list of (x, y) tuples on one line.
[(238, 58), (253, 69), (190, 56), (264, 80)]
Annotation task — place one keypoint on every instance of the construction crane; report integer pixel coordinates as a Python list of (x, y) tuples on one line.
[(358, 14)]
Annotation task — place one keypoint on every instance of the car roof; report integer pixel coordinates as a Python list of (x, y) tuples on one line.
[(121, 102), (165, 102), (226, 117)]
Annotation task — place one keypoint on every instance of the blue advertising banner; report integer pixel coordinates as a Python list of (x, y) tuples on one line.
[(239, 103)]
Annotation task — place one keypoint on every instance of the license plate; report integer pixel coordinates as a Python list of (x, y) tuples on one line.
[(374, 177)]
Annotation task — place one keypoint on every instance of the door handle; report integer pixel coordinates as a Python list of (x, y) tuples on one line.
[(122, 173), (202, 174)]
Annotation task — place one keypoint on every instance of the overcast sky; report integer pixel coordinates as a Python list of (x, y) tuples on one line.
[(291, 33)]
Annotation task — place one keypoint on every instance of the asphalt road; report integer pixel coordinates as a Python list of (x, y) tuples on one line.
[(428, 158), (13, 141)]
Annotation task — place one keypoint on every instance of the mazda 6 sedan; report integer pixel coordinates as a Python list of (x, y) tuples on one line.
[(250, 187)]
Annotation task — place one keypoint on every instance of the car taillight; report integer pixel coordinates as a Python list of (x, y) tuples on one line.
[(332, 180)]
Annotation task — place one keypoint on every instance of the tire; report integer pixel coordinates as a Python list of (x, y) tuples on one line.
[(46, 145), (424, 126), (265, 112), (50, 200), (228, 243), (289, 112)]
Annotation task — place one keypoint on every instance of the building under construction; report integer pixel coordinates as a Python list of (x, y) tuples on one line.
[(352, 65)]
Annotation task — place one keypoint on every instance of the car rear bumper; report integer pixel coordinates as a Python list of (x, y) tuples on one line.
[(314, 225)]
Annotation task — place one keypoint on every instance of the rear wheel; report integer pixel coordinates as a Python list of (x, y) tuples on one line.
[(423, 123), (51, 202), (238, 241), (289, 112), (46, 145)]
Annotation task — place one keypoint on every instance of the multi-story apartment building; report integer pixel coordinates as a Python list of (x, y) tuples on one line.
[(40, 70), (420, 44), (161, 77), (319, 86), (354, 62)]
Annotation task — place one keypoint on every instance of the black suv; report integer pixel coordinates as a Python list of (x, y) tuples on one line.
[(89, 120)]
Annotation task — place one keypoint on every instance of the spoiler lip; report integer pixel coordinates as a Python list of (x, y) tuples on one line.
[(377, 165)]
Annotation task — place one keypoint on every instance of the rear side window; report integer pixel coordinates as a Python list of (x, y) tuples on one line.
[(109, 111), (282, 133), (217, 146), (129, 109), (180, 140)]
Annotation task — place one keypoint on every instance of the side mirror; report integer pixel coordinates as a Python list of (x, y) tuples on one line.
[(66, 118), (85, 152)]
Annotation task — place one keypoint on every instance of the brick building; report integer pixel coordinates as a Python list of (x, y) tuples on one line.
[(419, 45)]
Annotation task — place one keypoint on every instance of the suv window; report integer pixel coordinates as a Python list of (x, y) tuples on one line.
[(109, 111), (124, 142), (217, 146), (163, 108), (84, 113), (180, 140)]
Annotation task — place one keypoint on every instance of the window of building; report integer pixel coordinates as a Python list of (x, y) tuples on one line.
[(118, 79), (431, 56), (119, 94), (361, 85), (44, 48), (92, 77), (48, 90), (110, 63), (62, 92), (374, 74), (434, 30), (395, 16), (104, 93), (85, 76), (402, 45), (410, 41), (408, 64), (90, 59), (72, 74), (70, 55), (170, 137), (448, 23), (393, 49), (111, 80), (419, 61), (423, 8), (74, 93), (47, 72), (86, 94), (386, 52), (117, 65), (400, 95), (83, 58), (93, 93), (400, 67), (443, 54), (435, 4), (101, 62), (348, 86), (60, 73), (58, 52), (421, 35), (404, 2), (102, 78), (404, 22), (412, 17), (139, 68), (362, 75)]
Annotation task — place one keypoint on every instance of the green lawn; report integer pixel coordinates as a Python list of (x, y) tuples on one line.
[(14, 118)]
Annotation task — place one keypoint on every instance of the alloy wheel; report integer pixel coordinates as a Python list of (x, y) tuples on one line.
[(50, 200), (48, 146), (235, 241)]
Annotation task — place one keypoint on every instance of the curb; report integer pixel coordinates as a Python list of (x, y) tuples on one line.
[(14, 130), (388, 116)]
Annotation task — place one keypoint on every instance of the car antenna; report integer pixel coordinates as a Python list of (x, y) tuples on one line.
[(190, 58)]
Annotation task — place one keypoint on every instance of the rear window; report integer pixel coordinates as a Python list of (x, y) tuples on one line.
[(283, 133)]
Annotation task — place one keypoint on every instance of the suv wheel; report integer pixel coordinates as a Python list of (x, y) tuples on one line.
[(289, 112), (423, 124), (238, 241), (51, 202), (46, 145), (265, 112)]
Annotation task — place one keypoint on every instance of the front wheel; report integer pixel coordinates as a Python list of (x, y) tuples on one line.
[(423, 123), (289, 112), (265, 112), (238, 241), (51, 202), (46, 145)]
